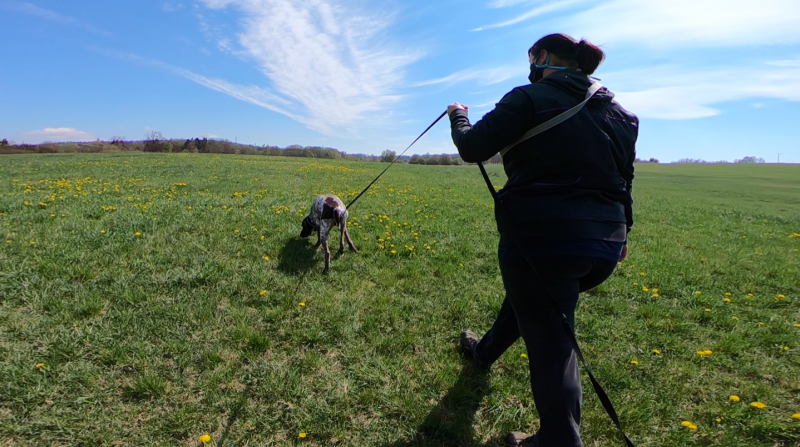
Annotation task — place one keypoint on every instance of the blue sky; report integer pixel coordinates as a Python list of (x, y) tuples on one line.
[(710, 79)]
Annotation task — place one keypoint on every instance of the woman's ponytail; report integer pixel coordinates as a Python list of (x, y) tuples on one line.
[(588, 56)]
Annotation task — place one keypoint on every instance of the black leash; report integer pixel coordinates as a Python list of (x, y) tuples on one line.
[(601, 393), (396, 158)]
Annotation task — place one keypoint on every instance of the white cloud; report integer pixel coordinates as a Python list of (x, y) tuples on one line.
[(33, 10), (327, 59), (57, 134), (486, 76), (668, 93), (535, 12), (689, 23)]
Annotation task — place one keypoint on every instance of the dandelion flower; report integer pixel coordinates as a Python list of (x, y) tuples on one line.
[(784, 348), (708, 309), (642, 273), (655, 291), (761, 323), (634, 362), (698, 293), (102, 231), (656, 295), (734, 398), (394, 252), (523, 355), (39, 365), (735, 318), (645, 289), (205, 438), (266, 258), (636, 284), (705, 352), (302, 304), (781, 296), (796, 416), (262, 237), (302, 435), (657, 351), (727, 294), (758, 405), (137, 234), (689, 425), (750, 295), (797, 325), (262, 292), (726, 300)]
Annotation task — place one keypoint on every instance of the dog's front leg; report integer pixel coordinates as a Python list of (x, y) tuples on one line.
[(342, 231), (324, 238), (319, 239), (349, 241)]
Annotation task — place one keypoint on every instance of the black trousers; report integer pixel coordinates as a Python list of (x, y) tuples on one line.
[(526, 312)]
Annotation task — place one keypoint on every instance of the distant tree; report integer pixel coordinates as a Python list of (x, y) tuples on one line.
[(653, 160), (152, 141), (3, 142), (750, 160), (388, 156)]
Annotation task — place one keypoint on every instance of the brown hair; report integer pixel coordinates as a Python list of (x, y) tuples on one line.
[(575, 54)]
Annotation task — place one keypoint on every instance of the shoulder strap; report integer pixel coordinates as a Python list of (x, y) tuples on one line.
[(594, 88)]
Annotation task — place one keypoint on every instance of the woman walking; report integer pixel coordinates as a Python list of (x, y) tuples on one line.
[(568, 197)]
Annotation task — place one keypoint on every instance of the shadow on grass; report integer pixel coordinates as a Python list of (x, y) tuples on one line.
[(450, 422), (297, 256)]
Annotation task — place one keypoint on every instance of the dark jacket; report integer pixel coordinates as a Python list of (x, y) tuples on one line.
[(573, 181)]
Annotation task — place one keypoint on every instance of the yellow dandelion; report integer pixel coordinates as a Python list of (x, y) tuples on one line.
[(137, 234), (523, 355), (797, 325), (796, 416), (708, 309), (189, 207), (758, 405), (266, 258), (784, 348), (656, 295), (657, 351), (642, 273), (39, 365), (636, 284), (236, 230), (761, 323), (781, 296), (689, 425), (262, 237), (727, 294), (705, 352), (33, 242), (734, 398), (204, 438), (655, 290), (698, 293), (394, 252), (634, 362), (750, 295), (102, 231), (645, 289), (726, 300), (735, 318), (262, 292), (302, 435)]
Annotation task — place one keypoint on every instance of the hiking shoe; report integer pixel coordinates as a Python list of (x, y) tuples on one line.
[(469, 341), (517, 439)]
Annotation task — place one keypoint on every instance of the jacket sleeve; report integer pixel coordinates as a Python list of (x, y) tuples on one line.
[(511, 117), (627, 175)]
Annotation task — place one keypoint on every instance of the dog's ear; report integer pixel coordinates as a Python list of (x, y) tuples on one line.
[(340, 215), (308, 227)]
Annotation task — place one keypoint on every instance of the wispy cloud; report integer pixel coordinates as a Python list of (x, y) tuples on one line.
[(666, 93), (33, 10), (485, 76), (329, 60), (689, 23), (535, 12), (57, 134)]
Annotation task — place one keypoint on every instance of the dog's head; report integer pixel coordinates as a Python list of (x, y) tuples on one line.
[(308, 227)]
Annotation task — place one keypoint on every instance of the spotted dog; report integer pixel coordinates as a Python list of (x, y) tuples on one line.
[(327, 212)]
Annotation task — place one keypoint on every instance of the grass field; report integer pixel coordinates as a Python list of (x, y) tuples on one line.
[(151, 299)]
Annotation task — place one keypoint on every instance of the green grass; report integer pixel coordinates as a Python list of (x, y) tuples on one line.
[(157, 338)]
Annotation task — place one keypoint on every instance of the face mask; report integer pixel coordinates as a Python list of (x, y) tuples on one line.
[(537, 71)]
